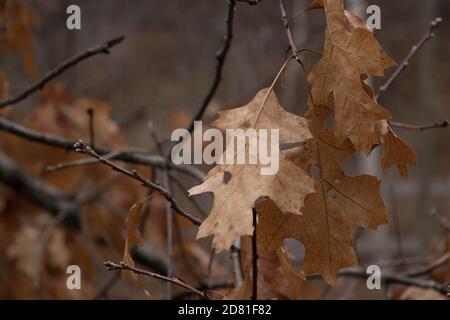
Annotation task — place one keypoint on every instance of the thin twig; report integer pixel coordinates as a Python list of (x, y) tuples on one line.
[(220, 57), (249, 2), (169, 213), (443, 221), (90, 112), (414, 50), (295, 51), (435, 265), (39, 85), (421, 127), (102, 293), (193, 200), (190, 266), (393, 278), (82, 148), (78, 163), (299, 13), (210, 264), (122, 266), (254, 259)]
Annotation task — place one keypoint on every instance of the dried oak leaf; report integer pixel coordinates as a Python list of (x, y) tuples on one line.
[(350, 52), (396, 152), (231, 215), (277, 277), (341, 204), (133, 237)]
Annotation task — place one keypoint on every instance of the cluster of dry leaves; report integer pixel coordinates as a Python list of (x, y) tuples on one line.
[(310, 199)]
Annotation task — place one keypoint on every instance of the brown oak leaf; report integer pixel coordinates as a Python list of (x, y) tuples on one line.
[(351, 51), (231, 215), (341, 204), (396, 152)]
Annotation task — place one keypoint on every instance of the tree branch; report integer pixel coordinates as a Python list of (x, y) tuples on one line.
[(435, 265), (91, 114), (122, 266), (220, 57), (414, 50), (392, 278), (82, 148), (295, 51), (249, 2), (54, 202), (125, 156), (254, 259), (39, 85), (37, 191), (435, 125)]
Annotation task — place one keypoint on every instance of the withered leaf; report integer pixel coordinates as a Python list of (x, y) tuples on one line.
[(330, 215), (265, 112), (350, 52), (133, 237), (397, 152), (231, 215)]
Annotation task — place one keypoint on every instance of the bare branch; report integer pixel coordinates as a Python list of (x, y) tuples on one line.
[(73, 61), (169, 212), (82, 148), (103, 292), (54, 202), (78, 163), (414, 50), (220, 57), (122, 266), (35, 190), (125, 156), (439, 262), (254, 259), (90, 113), (249, 2), (295, 51), (435, 125), (394, 278), (443, 221)]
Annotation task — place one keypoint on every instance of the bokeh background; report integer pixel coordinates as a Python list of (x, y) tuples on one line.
[(161, 73)]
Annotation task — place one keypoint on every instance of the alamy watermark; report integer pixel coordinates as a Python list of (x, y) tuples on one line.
[(374, 19), (74, 279), (234, 146), (374, 280), (73, 21)]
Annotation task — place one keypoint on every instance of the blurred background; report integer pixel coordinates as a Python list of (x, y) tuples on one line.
[(161, 73)]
